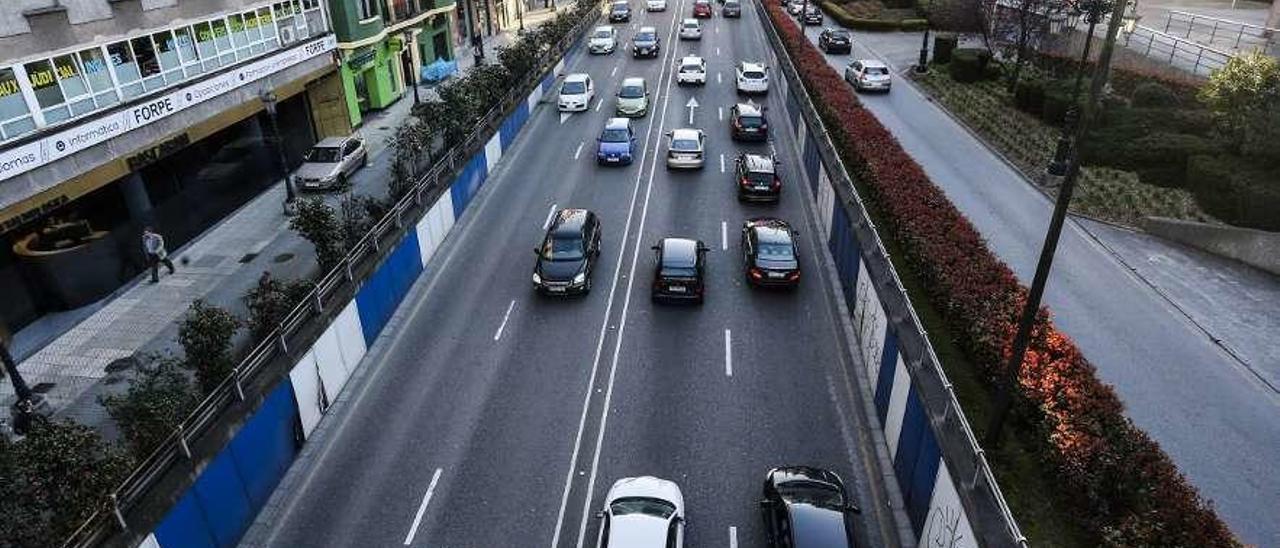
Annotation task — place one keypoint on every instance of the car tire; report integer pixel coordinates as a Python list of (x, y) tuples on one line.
[(343, 183), (586, 289)]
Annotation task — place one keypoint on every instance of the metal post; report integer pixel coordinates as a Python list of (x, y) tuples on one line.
[(923, 65), (24, 410), (269, 102)]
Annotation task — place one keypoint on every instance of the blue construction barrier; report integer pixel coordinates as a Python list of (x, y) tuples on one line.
[(468, 183), (381, 293)]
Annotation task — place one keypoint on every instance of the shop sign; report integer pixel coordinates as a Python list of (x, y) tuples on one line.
[(17, 160), (158, 152), (358, 60)]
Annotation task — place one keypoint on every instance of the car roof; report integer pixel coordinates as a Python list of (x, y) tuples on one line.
[(331, 142), (685, 133), (872, 63), (577, 77), (758, 163), (679, 252), (569, 222), (632, 81), (617, 123), (749, 109), (637, 531), (604, 27), (648, 29), (752, 65), (817, 527), (691, 59), (688, 20)]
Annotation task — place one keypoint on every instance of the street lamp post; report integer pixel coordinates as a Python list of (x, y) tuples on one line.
[(1093, 11), (923, 64), (269, 102), (410, 75), (26, 408)]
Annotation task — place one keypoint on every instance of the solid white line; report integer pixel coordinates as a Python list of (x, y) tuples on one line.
[(720, 113), (550, 213), (722, 163), (422, 508), (728, 354), (505, 317), (724, 235), (733, 537), (578, 152)]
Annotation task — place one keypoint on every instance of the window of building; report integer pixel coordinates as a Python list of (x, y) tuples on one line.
[(367, 9), (267, 23), (126, 69), (98, 76), (221, 37), (238, 38), (167, 53), (48, 94), (186, 47), (15, 117), (144, 54), (315, 17), (253, 29), (285, 24), (74, 88), (205, 47)]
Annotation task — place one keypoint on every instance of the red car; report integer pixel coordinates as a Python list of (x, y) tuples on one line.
[(702, 8)]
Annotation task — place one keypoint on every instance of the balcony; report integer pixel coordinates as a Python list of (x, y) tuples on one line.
[(401, 10)]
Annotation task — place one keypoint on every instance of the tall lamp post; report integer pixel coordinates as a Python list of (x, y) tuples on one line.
[(923, 65), (269, 102), (411, 79), (29, 403), (1093, 11)]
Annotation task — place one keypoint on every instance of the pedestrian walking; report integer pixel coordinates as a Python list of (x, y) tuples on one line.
[(153, 245)]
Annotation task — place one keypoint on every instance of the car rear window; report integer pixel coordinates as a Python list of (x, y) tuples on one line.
[(759, 178), (646, 37), (603, 34), (562, 249), (691, 67), (750, 121), (323, 155), (574, 88), (777, 252), (684, 145), (690, 24), (752, 74), (878, 71), (615, 136)]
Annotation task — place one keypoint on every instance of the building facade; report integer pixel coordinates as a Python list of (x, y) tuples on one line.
[(117, 114)]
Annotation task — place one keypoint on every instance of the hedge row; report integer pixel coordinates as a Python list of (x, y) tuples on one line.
[(1125, 80), (849, 21), (1122, 486)]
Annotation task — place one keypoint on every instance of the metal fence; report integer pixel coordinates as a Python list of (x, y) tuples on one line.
[(297, 329), (1215, 31), (1178, 52), (990, 517)]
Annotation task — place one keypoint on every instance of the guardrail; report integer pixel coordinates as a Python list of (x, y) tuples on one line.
[(992, 521), (1187, 55), (333, 290), (1239, 35)]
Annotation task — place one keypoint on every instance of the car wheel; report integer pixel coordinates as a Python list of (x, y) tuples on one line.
[(586, 289), (343, 184), (365, 163)]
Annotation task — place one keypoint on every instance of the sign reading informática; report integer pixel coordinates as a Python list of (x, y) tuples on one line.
[(18, 160)]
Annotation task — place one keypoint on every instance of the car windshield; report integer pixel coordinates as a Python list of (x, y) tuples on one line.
[(631, 92), (817, 493), (685, 145), (646, 37), (615, 136), (619, 7), (877, 71), (752, 74), (562, 249), (323, 155), (574, 88), (602, 33), (750, 121), (731, 3), (642, 505)]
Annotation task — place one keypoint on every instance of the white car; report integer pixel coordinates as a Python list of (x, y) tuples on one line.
[(687, 149), (868, 74), (752, 77), (576, 93), (656, 5), (691, 70), (691, 29), (643, 512), (603, 40), (796, 7)]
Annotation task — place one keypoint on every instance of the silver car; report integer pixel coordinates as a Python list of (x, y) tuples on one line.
[(686, 149), (633, 97), (330, 163)]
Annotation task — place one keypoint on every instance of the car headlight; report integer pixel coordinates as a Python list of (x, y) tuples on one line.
[(536, 278), (580, 278)]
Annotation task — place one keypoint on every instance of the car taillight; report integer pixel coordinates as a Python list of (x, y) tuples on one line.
[(764, 127), (737, 123), (777, 183), (794, 275), (744, 182), (756, 273)]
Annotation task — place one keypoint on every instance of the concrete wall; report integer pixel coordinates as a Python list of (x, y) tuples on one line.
[(1256, 248)]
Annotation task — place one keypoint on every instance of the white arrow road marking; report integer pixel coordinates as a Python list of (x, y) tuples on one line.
[(692, 104), (417, 519), (578, 152), (505, 317), (719, 79), (564, 116)]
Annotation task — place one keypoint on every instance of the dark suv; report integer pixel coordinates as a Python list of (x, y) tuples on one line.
[(748, 123), (812, 15), (806, 507), (567, 256), (732, 8), (756, 177), (678, 270), (835, 41), (769, 254), (620, 12)]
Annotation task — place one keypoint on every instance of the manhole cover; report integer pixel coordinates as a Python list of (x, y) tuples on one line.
[(43, 388), (127, 362), (283, 258)]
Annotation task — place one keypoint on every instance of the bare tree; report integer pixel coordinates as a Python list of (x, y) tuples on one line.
[(1023, 24)]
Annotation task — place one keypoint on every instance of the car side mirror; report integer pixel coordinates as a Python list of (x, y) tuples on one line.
[(655, 248), (766, 503), (537, 251), (600, 514)]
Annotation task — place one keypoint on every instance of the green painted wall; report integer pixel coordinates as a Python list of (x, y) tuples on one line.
[(346, 20)]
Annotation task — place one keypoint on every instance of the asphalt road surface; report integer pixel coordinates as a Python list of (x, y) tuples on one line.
[(492, 417)]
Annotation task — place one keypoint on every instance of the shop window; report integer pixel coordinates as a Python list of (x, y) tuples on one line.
[(239, 39), (186, 47), (252, 28), (126, 69), (267, 24), (167, 53), (144, 54), (205, 46), (221, 37), (285, 23), (98, 76), (15, 116), (48, 94), (315, 18), (74, 87)]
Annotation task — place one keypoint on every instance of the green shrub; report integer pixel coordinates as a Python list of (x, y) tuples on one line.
[(910, 25), (943, 45), (1057, 101), (1140, 121), (875, 25), (992, 71), (1231, 189), (967, 64), (1028, 96), (1153, 95), (158, 399), (1158, 158)]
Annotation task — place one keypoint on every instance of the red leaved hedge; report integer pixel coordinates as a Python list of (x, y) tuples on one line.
[(1122, 485)]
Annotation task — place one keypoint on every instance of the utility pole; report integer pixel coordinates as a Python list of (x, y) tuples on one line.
[(28, 404), (1004, 394), (269, 102)]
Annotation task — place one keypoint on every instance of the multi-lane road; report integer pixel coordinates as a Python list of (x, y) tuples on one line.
[(488, 416)]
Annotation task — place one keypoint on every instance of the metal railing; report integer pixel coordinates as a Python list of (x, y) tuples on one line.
[(1187, 55), (334, 289), (1233, 34), (989, 514)]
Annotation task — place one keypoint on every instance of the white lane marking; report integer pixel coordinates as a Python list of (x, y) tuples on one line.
[(578, 152), (551, 212), (422, 508), (717, 51), (724, 235), (722, 163), (505, 317), (651, 137), (733, 537), (599, 103), (728, 353), (614, 72), (720, 113), (719, 78)]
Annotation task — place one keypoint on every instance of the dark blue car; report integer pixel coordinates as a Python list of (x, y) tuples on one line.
[(617, 143)]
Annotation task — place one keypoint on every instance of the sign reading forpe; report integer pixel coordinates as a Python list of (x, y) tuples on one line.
[(21, 159)]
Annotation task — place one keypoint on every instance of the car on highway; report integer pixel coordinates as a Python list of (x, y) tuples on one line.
[(567, 256), (617, 143), (620, 12), (752, 77), (835, 41), (702, 9), (690, 29), (645, 43), (796, 7), (756, 177), (576, 93), (769, 254), (656, 5), (868, 74), (603, 40), (686, 149), (748, 123), (330, 163), (731, 8), (812, 15), (679, 269), (691, 70), (642, 512), (805, 507), (633, 97)]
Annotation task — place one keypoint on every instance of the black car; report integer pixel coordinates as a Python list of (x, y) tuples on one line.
[(806, 507), (645, 43), (770, 257), (748, 123), (678, 270), (567, 256), (732, 8), (835, 41), (756, 177), (812, 15), (620, 12)]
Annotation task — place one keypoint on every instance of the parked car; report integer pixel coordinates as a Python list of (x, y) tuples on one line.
[(686, 149), (770, 257), (679, 268), (617, 143), (868, 74), (752, 77), (690, 29), (702, 9), (835, 41), (656, 5), (812, 15), (566, 258), (748, 123), (646, 43), (620, 12), (806, 507), (330, 163), (643, 512), (633, 97), (603, 40), (756, 177), (731, 8), (691, 70), (576, 93)]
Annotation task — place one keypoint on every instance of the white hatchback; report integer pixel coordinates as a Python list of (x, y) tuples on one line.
[(687, 149), (752, 77), (603, 40), (576, 93), (691, 29), (643, 512), (691, 70)]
